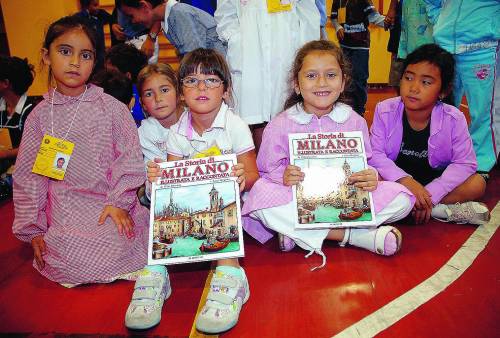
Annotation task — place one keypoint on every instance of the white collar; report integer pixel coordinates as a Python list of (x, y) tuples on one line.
[(19, 105), (168, 9), (185, 126), (340, 113)]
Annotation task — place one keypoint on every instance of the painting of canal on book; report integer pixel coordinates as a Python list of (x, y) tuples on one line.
[(325, 199), (195, 212)]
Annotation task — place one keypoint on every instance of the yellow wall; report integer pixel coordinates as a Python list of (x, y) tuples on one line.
[(25, 23), (380, 59)]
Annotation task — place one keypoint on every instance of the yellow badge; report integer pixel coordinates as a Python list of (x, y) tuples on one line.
[(341, 15), (212, 151), (276, 6), (5, 140), (53, 157)]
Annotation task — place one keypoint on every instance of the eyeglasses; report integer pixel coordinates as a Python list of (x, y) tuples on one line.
[(192, 82)]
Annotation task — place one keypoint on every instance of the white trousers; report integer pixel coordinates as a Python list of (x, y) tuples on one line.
[(279, 219)]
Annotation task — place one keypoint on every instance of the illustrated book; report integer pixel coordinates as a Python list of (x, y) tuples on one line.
[(195, 212), (325, 198)]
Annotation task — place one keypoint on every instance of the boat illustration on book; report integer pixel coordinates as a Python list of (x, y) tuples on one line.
[(350, 215), (214, 246)]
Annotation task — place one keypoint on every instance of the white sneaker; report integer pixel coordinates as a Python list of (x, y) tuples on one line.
[(224, 301), (150, 291), (468, 212)]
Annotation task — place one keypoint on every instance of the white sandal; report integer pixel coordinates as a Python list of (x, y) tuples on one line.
[(372, 239)]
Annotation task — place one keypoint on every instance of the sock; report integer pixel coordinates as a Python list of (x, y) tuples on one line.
[(156, 268), (230, 270), (364, 238), (390, 244)]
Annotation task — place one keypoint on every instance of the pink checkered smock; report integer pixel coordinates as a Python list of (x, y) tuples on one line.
[(105, 168)]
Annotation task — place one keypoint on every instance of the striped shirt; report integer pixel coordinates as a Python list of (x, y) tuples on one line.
[(105, 168)]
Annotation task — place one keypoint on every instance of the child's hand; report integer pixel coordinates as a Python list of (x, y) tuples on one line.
[(421, 216), (423, 196), (340, 34), (39, 249), (364, 179), (423, 205), (120, 217), (153, 170), (238, 170), (118, 31), (292, 175)]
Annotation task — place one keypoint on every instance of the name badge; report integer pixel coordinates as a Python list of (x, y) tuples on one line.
[(276, 6), (212, 151), (53, 157)]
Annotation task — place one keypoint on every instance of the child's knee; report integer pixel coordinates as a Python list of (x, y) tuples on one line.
[(407, 203), (474, 187)]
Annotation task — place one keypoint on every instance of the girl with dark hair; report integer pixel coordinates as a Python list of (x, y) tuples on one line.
[(86, 226), (425, 145)]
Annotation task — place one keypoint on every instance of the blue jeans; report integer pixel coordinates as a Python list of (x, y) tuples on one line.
[(358, 91)]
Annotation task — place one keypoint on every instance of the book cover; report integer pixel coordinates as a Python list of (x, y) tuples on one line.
[(325, 199), (195, 212)]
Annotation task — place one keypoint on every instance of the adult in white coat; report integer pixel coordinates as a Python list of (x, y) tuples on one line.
[(261, 49)]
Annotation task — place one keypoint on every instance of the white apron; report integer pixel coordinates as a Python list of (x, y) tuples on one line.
[(261, 50)]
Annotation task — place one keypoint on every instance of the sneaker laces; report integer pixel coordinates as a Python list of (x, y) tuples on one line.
[(461, 213)]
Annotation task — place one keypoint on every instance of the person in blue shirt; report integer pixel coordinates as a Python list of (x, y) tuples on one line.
[(321, 4), (208, 6), (185, 26)]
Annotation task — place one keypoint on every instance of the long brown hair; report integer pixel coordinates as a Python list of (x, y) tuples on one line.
[(314, 46)]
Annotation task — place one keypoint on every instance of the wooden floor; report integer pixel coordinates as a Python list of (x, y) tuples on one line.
[(287, 299)]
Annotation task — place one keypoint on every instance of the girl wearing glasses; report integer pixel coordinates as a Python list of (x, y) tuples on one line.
[(209, 127)]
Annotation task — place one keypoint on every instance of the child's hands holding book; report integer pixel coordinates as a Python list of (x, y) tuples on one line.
[(292, 175), (153, 170), (238, 170), (364, 179)]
